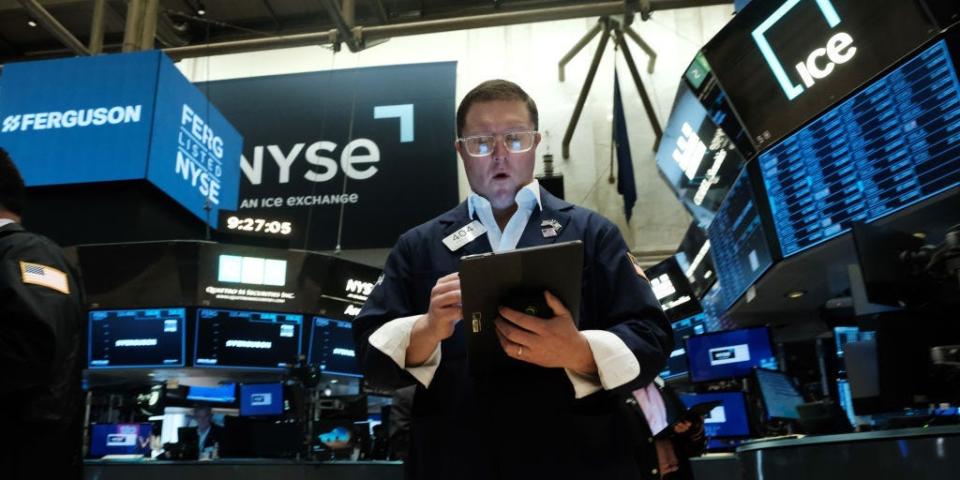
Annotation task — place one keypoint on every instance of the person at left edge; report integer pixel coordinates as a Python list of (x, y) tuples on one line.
[(41, 324)]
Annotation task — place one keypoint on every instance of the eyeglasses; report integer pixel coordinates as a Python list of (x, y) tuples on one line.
[(483, 145)]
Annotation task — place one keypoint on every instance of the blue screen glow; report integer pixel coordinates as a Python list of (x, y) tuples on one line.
[(259, 399), (893, 144), (729, 419), (729, 354), (738, 242), (331, 346), (137, 338)]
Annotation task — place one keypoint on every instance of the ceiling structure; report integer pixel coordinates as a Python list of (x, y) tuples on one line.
[(34, 29)]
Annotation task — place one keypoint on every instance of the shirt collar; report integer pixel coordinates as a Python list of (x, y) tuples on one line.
[(5, 221), (532, 189)]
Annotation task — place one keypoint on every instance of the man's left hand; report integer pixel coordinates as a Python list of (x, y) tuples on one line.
[(551, 343)]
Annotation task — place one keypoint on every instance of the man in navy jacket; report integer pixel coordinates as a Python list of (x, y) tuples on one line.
[(563, 417)]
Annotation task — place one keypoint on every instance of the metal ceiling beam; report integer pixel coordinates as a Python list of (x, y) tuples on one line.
[(272, 13), (340, 21), (132, 29), (96, 27), (380, 32), (53, 26), (148, 32), (381, 11)]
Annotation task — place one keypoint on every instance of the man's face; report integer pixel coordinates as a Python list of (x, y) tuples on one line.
[(202, 417), (500, 175)]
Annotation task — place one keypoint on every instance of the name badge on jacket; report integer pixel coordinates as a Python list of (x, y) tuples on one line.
[(466, 234)]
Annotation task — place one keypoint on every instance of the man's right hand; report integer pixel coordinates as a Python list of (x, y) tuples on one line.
[(438, 323), (445, 307)]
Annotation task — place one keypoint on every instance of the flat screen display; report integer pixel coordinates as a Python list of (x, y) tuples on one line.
[(694, 258), (243, 339), (225, 393), (137, 338), (677, 362), (729, 419), (696, 158), (783, 62), (729, 354), (704, 85), (119, 439), (738, 242), (672, 290), (891, 145), (261, 399), (780, 396), (331, 347)]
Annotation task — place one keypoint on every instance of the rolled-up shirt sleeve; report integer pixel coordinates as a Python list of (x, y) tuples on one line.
[(616, 364), (393, 338)]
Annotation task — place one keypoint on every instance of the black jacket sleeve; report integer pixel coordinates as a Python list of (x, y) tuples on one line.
[(628, 308), (389, 300), (27, 339)]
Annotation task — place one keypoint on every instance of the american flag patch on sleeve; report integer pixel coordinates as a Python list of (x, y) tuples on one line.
[(36, 274)]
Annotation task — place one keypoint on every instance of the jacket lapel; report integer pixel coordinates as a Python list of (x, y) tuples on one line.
[(555, 211)]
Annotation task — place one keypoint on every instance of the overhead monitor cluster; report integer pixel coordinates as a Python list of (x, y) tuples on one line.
[(800, 118)]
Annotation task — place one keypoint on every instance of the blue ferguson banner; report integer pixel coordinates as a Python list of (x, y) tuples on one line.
[(120, 117)]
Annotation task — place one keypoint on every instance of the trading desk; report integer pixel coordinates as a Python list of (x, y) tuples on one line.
[(241, 469), (932, 452)]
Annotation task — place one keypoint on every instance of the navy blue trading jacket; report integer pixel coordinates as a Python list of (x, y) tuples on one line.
[(528, 426)]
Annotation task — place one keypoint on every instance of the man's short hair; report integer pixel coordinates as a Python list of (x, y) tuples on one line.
[(493, 90), (13, 193)]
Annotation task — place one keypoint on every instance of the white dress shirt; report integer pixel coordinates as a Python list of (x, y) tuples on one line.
[(5, 221), (616, 364)]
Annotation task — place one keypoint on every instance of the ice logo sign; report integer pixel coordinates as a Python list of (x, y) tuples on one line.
[(838, 50), (199, 155)]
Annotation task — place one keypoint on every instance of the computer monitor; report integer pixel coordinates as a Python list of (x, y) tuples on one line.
[(729, 419), (119, 439), (889, 146), (779, 395), (695, 261), (673, 290), (677, 362), (137, 338), (331, 347), (729, 354), (224, 393), (738, 241), (261, 399), (696, 158), (244, 339)]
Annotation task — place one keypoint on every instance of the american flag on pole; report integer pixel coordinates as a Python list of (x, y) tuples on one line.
[(36, 274)]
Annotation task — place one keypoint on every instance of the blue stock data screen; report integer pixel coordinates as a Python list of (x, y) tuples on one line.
[(729, 354), (891, 145), (729, 419), (241, 339), (331, 346), (738, 242), (137, 338)]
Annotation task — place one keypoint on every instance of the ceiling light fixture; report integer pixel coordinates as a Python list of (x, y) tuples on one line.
[(201, 9), (795, 294), (32, 23)]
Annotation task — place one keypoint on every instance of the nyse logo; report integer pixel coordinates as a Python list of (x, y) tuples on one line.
[(359, 287), (837, 50), (199, 155), (261, 399)]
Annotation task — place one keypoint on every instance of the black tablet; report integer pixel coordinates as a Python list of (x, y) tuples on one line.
[(516, 279)]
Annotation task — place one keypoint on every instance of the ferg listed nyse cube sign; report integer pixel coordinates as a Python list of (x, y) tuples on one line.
[(119, 117), (347, 157)]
